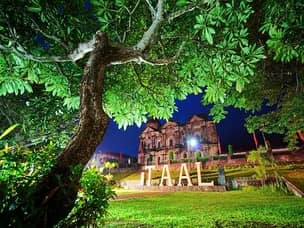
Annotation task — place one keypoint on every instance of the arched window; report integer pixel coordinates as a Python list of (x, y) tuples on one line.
[(171, 143), (158, 144), (153, 142)]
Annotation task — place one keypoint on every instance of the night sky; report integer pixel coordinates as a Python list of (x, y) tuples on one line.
[(230, 130)]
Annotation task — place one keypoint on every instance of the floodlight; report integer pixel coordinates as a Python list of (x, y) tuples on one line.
[(192, 142)]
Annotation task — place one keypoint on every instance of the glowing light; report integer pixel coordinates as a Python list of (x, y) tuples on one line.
[(192, 142)]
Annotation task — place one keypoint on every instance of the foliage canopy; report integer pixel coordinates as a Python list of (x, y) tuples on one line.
[(239, 53), (220, 43)]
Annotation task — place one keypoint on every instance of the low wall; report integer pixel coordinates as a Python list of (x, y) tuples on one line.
[(215, 188), (289, 157), (282, 155), (235, 161), (296, 191)]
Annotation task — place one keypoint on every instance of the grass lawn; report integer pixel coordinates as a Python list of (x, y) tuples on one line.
[(121, 191), (242, 208)]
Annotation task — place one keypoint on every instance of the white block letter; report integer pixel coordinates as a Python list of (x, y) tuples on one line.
[(187, 177), (167, 177), (199, 178), (149, 168), (142, 178)]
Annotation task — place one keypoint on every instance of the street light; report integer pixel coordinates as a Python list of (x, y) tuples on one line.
[(191, 143)]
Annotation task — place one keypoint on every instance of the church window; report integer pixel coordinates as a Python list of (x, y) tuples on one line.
[(171, 143)]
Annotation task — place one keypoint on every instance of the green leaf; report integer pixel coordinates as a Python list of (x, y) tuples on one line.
[(208, 34), (239, 85), (28, 87), (72, 102), (33, 9), (8, 130), (182, 2)]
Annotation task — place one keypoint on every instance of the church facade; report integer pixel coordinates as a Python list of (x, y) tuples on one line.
[(173, 142)]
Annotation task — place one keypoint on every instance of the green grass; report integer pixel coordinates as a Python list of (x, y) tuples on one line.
[(121, 191), (295, 176), (243, 208)]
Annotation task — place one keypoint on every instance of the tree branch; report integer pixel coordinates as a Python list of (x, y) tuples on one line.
[(38, 29), (151, 8), (130, 20), (78, 53), (185, 10), (140, 58), (147, 38)]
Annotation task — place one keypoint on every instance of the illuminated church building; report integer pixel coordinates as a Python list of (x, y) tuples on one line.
[(172, 141)]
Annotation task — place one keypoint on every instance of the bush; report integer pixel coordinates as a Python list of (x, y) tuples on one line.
[(216, 157), (204, 159), (92, 201), (198, 155), (171, 155), (20, 169)]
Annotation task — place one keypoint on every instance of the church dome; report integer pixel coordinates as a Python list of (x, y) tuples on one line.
[(153, 123)]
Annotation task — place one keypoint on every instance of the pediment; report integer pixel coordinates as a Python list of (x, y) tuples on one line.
[(196, 118), (149, 130), (170, 124)]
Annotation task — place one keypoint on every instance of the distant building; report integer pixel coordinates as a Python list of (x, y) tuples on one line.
[(172, 141), (101, 157)]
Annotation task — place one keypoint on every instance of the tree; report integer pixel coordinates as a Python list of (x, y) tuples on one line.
[(110, 165), (171, 155), (230, 150), (260, 160), (143, 56), (278, 83), (198, 155)]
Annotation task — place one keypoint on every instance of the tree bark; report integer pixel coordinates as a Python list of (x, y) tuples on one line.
[(56, 193), (301, 135)]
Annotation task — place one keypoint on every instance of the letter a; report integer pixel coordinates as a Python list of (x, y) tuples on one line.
[(187, 177)]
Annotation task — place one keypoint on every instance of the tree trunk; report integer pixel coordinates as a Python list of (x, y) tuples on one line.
[(56, 193), (301, 135)]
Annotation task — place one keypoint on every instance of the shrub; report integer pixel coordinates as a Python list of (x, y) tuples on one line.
[(20, 169), (204, 159), (171, 155), (257, 158), (92, 201), (198, 155), (216, 157)]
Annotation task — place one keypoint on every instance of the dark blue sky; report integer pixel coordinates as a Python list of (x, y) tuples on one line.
[(230, 130)]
